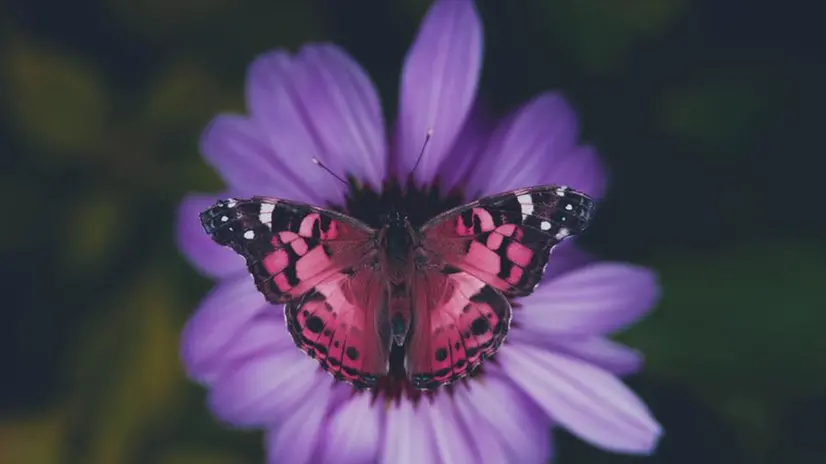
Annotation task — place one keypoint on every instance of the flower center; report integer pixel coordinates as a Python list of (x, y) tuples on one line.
[(418, 204)]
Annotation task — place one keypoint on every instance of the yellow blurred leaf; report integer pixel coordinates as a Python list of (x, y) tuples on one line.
[(183, 97), (58, 101), (127, 377), (35, 440)]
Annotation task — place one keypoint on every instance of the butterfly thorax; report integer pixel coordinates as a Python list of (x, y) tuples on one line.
[(397, 239)]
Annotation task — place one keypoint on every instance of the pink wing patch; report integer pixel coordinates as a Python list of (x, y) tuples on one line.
[(338, 325), (505, 240), (459, 322)]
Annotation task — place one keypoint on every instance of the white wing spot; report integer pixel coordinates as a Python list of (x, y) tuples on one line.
[(231, 202), (569, 207), (527, 210), (224, 219), (265, 214), (527, 204), (249, 235), (561, 191), (545, 225)]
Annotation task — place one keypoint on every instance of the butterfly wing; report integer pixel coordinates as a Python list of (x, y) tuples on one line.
[(505, 240), (340, 323), (480, 254), (289, 247), (458, 322), (322, 264)]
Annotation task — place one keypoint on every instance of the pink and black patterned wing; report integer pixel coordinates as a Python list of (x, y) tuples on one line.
[(339, 323), (479, 254), (289, 247), (322, 265), (459, 321), (505, 240)]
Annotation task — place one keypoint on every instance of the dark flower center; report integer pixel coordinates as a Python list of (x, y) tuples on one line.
[(417, 203)]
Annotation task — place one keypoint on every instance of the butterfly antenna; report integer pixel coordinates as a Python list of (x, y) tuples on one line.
[(323, 166), (421, 153)]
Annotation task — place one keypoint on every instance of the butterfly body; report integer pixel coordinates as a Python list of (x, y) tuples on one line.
[(439, 292)]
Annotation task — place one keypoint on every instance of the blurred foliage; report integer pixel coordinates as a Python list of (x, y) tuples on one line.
[(37, 439), (59, 101), (600, 33), (701, 109)]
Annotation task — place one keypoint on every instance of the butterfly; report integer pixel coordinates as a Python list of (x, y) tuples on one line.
[(440, 292)]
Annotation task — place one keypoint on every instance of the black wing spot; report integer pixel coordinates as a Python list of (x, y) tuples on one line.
[(315, 324), (324, 223), (447, 269), (352, 353), (479, 326), (477, 224), (467, 218), (441, 354)]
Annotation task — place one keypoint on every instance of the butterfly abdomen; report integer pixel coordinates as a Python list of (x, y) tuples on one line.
[(399, 311)]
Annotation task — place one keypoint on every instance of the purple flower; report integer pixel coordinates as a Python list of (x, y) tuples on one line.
[(556, 367)]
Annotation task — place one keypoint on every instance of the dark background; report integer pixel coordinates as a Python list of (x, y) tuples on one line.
[(709, 114)]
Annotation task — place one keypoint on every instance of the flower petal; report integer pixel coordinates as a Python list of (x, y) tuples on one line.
[(438, 85), (263, 389), (587, 400), (449, 436), (208, 257), (501, 419), (341, 107), (239, 148), (296, 439), (467, 149), (582, 170), (595, 299), (613, 357), (566, 257), (537, 146), (223, 314), (354, 431), (525, 145), (282, 118), (407, 438)]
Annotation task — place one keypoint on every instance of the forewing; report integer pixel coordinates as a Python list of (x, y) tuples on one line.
[(340, 324), (289, 247), (322, 264), (505, 239), (458, 322)]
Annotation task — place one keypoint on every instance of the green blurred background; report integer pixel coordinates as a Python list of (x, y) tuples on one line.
[(706, 112)]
